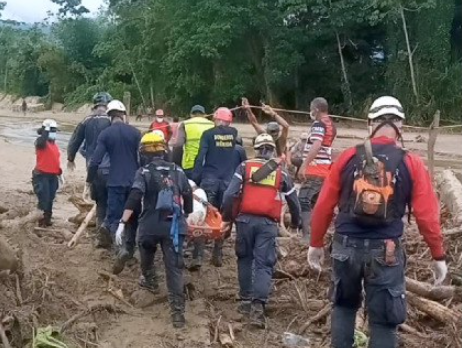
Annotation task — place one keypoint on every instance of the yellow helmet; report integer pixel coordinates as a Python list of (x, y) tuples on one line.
[(153, 142)]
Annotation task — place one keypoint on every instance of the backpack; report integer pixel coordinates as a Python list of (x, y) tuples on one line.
[(164, 181), (374, 185)]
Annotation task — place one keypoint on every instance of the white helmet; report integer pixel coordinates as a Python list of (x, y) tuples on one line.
[(192, 184), (386, 105), (264, 139), (115, 105), (49, 123), (159, 133)]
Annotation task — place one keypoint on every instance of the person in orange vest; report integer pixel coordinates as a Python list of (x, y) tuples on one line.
[(162, 124), (317, 160), (47, 174), (258, 215)]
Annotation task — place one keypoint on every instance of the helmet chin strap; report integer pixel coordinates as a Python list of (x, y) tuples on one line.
[(392, 125)]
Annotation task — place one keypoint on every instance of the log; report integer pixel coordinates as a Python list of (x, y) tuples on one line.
[(450, 189), (433, 133), (434, 309), (8, 259), (435, 293), (73, 242), (226, 340)]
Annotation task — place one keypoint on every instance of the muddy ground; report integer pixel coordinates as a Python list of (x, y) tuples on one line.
[(57, 283)]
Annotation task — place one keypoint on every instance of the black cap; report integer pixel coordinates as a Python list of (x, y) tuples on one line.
[(199, 109)]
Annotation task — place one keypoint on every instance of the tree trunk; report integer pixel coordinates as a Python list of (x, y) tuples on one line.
[(434, 309), (409, 54), (346, 89)]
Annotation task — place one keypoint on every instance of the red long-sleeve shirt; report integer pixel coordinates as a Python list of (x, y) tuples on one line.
[(423, 200)]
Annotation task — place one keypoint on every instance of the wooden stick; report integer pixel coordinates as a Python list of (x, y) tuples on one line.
[(434, 309), (436, 293), (322, 313), (433, 133), (73, 242)]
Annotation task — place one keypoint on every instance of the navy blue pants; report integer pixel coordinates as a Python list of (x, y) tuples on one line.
[(116, 198), (98, 191), (45, 187), (361, 262), (256, 258)]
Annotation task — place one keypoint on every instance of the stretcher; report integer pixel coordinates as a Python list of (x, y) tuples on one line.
[(211, 227)]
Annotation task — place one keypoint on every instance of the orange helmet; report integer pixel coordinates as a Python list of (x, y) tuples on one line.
[(223, 114)]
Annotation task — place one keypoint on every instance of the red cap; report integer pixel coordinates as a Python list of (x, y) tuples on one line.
[(159, 112), (223, 114)]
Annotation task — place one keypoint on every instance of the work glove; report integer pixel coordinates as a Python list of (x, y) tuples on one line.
[(315, 258), (61, 181), (70, 166), (120, 233), (440, 271)]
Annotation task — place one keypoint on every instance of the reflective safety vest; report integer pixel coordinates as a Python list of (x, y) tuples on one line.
[(194, 128), (49, 159), (261, 198)]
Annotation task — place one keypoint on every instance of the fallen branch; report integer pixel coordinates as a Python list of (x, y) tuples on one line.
[(5, 342), (434, 309), (321, 315), (450, 189), (92, 309), (73, 242), (436, 293)]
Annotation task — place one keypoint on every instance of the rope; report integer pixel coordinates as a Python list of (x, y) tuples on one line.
[(341, 117)]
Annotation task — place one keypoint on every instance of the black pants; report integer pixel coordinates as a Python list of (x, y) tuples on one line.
[(362, 261), (45, 187), (98, 192), (309, 192), (173, 262)]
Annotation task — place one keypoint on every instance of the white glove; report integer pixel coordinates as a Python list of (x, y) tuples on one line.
[(315, 258), (120, 233), (62, 181), (440, 271)]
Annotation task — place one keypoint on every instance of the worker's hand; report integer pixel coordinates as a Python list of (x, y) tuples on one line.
[(119, 234), (268, 110), (440, 270), (301, 173), (226, 228), (62, 181), (315, 258), (70, 166), (245, 103)]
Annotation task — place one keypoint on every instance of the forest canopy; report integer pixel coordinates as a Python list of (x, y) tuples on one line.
[(176, 53)]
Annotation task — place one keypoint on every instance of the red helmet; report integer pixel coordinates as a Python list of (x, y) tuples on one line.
[(223, 114)]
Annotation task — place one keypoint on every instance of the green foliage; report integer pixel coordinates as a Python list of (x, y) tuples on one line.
[(175, 53)]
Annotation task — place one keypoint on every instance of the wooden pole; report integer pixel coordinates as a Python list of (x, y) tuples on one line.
[(433, 133), (73, 242)]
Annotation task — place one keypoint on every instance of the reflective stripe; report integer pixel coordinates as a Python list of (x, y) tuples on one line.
[(239, 176), (289, 193)]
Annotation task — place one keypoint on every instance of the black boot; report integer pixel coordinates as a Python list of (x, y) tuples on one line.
[(45, 221), (122, 257), (178, 320), (245, 307), (198, 254), (103, 239), (257, 314), (149, 282), (217, 254)]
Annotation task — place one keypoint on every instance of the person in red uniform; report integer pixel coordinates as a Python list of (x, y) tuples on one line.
[(317, 160), (257, 225), (47, 173), (367, 250), (162, 124)]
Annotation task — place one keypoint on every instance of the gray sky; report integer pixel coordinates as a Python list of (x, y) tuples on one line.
[(36, 10)]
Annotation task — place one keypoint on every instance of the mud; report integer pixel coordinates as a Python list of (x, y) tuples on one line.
[(55, 283)]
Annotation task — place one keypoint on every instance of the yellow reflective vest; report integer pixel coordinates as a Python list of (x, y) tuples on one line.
[(194, 127)]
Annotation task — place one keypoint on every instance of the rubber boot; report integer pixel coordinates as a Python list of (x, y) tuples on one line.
[(45, 221), (148, 282), (306, 230), (257, 314), (217, 254), (103, 238), (122, 257), (198, 255), (178, 320)]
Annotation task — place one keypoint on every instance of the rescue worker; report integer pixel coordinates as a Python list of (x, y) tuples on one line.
[(161, 186), (272, 128), (367, 247), (257, 225), (189, 137), (47, 172), (174, 126), (317, 160), (213, 171), (87, 132), (295, 153), (160, 123), (121, 142)]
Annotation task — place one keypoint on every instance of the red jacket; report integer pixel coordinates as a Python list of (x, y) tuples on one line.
[(163, 126), (48, 159), (424, 201)]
